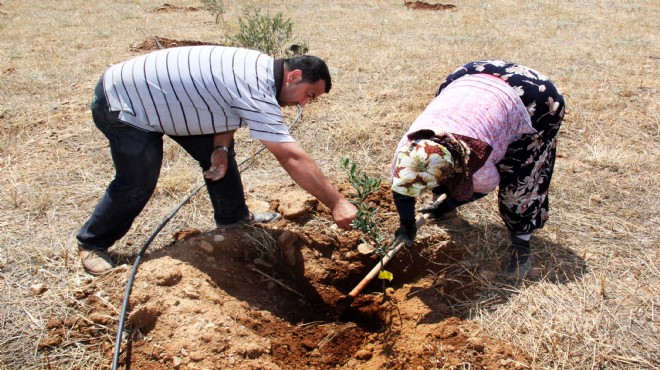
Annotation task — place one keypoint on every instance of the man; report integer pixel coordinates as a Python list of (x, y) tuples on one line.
[(199, 96), (493, 123)]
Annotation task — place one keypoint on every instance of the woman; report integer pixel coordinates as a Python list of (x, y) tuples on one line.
[(492, 123)]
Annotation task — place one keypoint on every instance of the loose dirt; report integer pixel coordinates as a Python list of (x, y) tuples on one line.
[(426, 6), (167, 8), (156, 42), (271, 298)]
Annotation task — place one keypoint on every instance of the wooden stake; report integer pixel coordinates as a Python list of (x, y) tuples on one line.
[(386, 259)]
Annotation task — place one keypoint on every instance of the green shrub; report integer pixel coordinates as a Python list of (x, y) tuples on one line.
[(262, 32)]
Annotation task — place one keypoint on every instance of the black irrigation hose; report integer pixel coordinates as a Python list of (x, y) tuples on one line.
[(131, 277)]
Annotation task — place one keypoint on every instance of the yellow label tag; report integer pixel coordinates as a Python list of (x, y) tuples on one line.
[(385, 275)]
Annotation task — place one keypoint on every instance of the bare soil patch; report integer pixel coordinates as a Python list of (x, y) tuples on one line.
[(167, 8), (426, 6), (156, 42), (232, 298)]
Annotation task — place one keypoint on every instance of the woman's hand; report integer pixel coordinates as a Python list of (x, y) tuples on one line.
[(405, 234)]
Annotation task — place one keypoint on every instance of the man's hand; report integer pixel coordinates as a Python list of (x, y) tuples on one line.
[(304, 171), (405, 234), (344, 213), (218, 167)]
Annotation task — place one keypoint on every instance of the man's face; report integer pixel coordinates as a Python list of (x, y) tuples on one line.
[(296, 92)]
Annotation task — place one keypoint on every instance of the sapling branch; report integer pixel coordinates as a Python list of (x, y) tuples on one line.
[(367, 219)]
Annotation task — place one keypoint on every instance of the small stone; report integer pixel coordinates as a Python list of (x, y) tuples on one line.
[(37, 289), (206, 247), (192, 295), (184, 352), (196, 356), (365, 248), (53, 323), (297, 203), (52, 341), (102, 319), (176, 361), (363, 355), (254, 352), (476, 344), (258, 206), (179, 235)]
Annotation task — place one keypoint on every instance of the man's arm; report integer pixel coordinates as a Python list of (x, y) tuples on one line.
[(304, 171)]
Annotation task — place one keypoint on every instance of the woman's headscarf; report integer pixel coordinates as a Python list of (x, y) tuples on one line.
[(433, 159)]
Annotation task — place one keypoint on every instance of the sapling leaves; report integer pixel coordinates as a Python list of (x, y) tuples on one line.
[(367, 213), (367, 220)]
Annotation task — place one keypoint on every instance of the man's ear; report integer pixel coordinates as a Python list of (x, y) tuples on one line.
[(294, 76)]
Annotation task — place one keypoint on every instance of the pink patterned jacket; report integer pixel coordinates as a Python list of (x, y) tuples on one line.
[(483, 107)]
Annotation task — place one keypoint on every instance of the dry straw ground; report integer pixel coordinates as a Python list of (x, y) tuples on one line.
[(599, 308)]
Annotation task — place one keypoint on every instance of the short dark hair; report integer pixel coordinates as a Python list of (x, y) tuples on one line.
[(313, 69)]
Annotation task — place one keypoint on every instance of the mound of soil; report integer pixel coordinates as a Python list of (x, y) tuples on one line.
[(273, 298), (167, 8), (426, 6), (156, 43)]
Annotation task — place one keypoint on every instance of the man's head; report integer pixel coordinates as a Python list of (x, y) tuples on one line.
[(305, 78)]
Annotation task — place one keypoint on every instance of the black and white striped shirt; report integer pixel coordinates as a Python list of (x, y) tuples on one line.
[(198, 90)]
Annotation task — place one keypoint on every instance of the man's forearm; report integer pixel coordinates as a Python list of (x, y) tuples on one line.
[(223, 139), (304, 171), (308, 176)]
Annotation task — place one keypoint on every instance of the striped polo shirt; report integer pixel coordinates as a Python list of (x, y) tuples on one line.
[(198, 90)]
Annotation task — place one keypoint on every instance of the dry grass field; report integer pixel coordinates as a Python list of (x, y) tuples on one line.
[(595, 297)]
